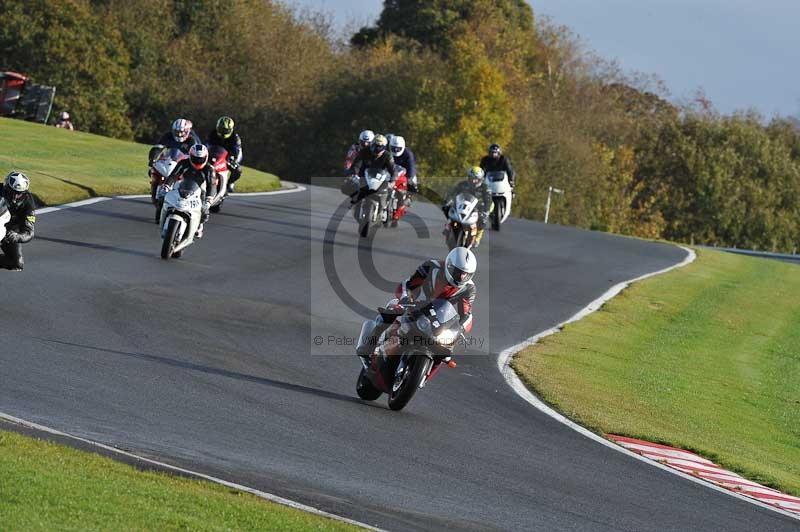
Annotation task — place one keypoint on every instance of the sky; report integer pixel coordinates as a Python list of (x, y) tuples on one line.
[(743, 53)]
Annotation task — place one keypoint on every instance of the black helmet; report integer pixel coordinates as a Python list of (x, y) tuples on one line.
[(495, 149)]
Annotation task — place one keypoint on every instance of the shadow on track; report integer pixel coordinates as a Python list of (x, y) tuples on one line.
[(101, 247), (223, 373)]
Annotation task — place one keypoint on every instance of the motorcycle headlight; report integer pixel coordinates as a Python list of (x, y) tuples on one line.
[(448, 337), (424, 324)]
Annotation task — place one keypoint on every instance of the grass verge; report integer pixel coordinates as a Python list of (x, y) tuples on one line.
[(67, 166), (705, 358), (46, 486)]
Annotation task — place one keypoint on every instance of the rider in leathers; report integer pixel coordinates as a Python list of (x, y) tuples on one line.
[(225, 136), (376, 157), (474, 184), (449, 279), (181, 136), (196, 168), (19, 230)]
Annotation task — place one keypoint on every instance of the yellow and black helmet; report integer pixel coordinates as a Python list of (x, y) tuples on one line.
[(225, 127)]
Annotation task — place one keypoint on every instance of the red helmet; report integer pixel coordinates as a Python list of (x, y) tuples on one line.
[(198, 156)]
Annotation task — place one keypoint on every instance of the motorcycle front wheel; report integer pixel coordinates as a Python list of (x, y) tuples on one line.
[(497, 215), (415, 372), (365, 389), (168, 245)]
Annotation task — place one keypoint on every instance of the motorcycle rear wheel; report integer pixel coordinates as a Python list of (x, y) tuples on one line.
[(168, 245), (411, 379), (365, 389)]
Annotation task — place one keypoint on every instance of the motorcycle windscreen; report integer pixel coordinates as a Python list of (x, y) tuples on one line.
[(444, 322), (441, 313), (187, 188), (373, 179), (496, 176), (173, 154)]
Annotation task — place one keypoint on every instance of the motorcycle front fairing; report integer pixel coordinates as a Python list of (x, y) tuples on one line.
[(430, 330), (5, 217)]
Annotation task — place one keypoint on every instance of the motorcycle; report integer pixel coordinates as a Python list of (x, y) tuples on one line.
[(462, 225), (5, 217), (500, 189), (372, 210), (160, 170), (218, 158), (399, 199), (408, 354), (180, 218)]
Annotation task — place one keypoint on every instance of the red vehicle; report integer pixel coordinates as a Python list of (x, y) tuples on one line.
[(218, 158), (21, 98), (11, 85), (419, 342), (399, 201)]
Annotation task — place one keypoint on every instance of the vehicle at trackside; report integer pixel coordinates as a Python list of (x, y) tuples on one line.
[(165, 162), (410, 352), (371, 209), (181, 217), (218, 159), (462, 222), (502, 194)]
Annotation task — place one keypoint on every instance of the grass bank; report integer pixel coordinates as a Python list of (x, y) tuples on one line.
[(46, 486), (68, 166), (706, 357)]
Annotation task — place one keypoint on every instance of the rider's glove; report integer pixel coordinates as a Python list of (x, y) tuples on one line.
[(11, 238)]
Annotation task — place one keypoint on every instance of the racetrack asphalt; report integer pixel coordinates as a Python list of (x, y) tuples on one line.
[(209, 362)]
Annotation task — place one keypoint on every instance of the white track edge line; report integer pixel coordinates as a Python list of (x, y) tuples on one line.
[(90, 201), (258, 493), (513, 380)]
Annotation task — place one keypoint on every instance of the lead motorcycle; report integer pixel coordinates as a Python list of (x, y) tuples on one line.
[(180, 218), (372, 210), (500, 188), (462, 224), (410, 352)]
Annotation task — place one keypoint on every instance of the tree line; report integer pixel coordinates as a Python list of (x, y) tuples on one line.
[(451, 76)]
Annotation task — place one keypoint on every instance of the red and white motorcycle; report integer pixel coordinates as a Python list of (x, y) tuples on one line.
[(218, 159)]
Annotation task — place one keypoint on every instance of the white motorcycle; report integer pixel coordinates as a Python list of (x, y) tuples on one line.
[(462, 224), (372, 210), (501, 197), (180, 218), (159, 172), (5, 217)]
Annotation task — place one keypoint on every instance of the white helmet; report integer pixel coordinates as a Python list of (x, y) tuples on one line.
[(366, 137), (397, 145), (181, 129), (15, 186), (460, 266), (198, 156), (64, 116)]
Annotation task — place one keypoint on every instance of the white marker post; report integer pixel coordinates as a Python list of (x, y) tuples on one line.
[(549, 195)]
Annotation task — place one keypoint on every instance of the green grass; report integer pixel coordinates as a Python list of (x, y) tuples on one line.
[(706, 358), (44, 486), (68, 166)]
